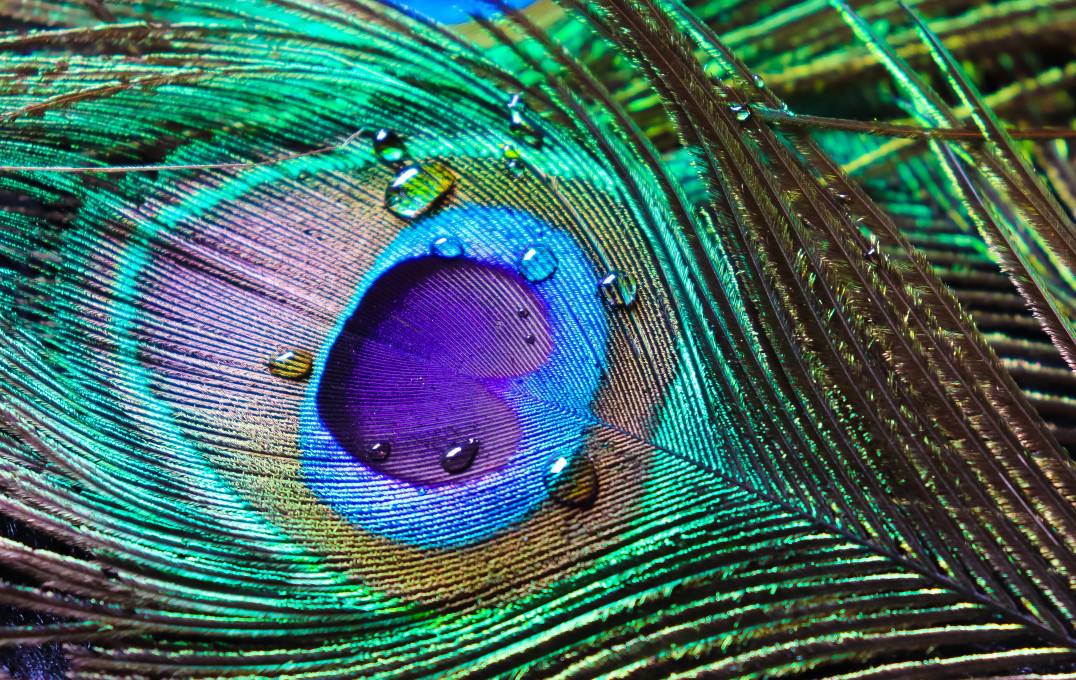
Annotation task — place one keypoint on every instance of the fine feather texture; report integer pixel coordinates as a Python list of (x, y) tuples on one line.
[(607, 340)]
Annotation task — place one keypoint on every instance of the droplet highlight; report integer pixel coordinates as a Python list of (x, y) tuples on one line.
[(573, 481), (378, 453), (292, 364), (513, 160), (457, 458), (537, 263), (618, 289), (521, 129), (389, 148), (417, 188), (446, 246), (740, 112), (523, 313)]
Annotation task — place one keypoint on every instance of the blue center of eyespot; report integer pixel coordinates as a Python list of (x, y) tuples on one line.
[(437, 352)]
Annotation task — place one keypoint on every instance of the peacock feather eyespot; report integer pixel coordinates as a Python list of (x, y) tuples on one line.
[(322, 356)]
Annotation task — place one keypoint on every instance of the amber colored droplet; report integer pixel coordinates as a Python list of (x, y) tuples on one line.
[(292, 364), (573, 481), (417, 188)]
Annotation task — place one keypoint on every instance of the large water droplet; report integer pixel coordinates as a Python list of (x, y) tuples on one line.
[(389, 147), (378, 453), (740, 111), (618, 289), (446, 246), (537, 263), (759, 82), (457, 458), (523, 130), (292, 364), (417, 188), (573, 481)]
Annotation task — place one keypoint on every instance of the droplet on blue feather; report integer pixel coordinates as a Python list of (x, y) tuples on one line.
[(537, 263), (740, 111), (292, 364), (573, 481), (522, 313), (530, 339), (389, 148), (458, 457), (618, 289), (446, 246), (417, 188)]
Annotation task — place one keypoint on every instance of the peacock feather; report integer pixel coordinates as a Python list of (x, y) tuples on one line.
[(612, 339)]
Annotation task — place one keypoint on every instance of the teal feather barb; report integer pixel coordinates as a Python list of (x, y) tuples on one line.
[(612, 339)]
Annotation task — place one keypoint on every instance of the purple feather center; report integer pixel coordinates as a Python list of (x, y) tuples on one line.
[(422, 362)]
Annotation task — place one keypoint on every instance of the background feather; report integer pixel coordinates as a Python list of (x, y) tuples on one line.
[(815, 425)]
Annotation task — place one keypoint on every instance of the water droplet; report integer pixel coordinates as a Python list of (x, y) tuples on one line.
[(537, 263), (759, 82), (522, 313), (524, 131), (740, 111), (516, 102), (618, 289), (446, 246), (572, 481), (292, 364), (389, 147), (872, 255), (530, 339), (417, 188), (513, 160), (378, 453), (458, 457)]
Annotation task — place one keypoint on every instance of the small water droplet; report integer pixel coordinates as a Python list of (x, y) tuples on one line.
[(572, 481), (446, 246), (537, 263), (530, 339), (389, 147), (618, 289), (378, 453), (740, 111), (872, 255), (417, 188), (457, 458), (759, 82), (292, 364), (513, 160), (516, 102), (522, 313), (524, 131)]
